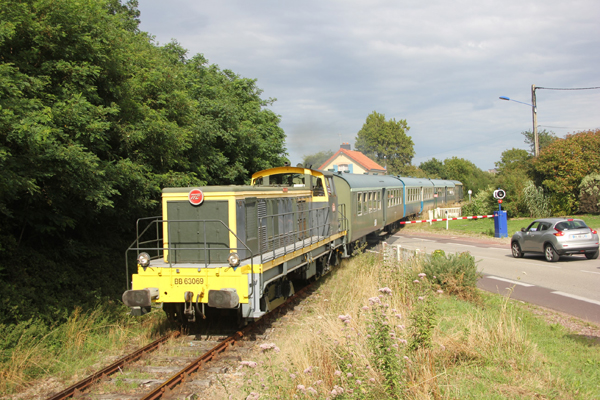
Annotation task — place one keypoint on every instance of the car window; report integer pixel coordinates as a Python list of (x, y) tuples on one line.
[(566, 225), (544, 226), (534, 226)]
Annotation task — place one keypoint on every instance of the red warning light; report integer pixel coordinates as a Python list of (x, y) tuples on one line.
[(196, 197)]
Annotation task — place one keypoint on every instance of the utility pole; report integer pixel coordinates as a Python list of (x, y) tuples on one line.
[(536, 141)]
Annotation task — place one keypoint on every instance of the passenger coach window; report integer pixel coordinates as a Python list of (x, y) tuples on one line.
[(359, 204)]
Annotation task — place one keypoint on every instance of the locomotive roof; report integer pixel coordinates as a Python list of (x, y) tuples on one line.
[(361, 181)]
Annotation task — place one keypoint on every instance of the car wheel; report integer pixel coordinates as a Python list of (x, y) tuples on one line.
[(516, 250), (550, 253), (592, 256)]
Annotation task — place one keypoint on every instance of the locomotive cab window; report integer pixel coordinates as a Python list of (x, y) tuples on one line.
[(287, 179)]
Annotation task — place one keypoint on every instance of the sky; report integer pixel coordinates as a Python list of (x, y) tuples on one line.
[(440, 65)]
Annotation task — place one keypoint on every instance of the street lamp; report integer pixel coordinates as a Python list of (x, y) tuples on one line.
[(536, 145)]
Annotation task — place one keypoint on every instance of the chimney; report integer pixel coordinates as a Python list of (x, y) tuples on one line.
[(345, 146)]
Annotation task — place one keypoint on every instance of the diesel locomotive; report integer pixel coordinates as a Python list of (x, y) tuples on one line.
[(241, 248)]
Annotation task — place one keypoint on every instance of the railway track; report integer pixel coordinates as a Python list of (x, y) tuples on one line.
[(155, 371)]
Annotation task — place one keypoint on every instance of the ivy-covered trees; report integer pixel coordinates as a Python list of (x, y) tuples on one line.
[(95, 119)]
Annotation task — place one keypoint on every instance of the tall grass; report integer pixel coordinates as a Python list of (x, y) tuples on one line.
[(33, 351), (379, 329)]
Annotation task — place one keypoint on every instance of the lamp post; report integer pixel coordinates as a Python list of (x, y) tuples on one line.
[(536, 144)]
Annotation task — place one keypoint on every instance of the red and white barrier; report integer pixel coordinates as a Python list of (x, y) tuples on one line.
[(447, 219)]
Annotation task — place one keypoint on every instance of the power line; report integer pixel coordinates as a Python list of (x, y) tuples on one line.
[(585, 88)]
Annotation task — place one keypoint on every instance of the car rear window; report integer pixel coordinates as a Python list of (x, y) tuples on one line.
[(566, 225)]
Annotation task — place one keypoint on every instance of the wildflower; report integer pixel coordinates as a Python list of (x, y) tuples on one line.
[(403, 341), (368, 335), (374, 300), (442, 347), (394, 310), (269, 346), (422, 275), (417, 281), (311, 390), (301, 388), (285, 369), (434, 277), (349, 375), (365, 308), (420, 298), (440, 291), (308, 370), (349, 365), (249, 381), (340, 390), (372, 380), (317, 383), (395, 345), (334, 393), (398, 315), (358, 382), (253, 396), (345, 318), (293, 376), (400, 327), (386, 290), (250, 364), (337, 373)]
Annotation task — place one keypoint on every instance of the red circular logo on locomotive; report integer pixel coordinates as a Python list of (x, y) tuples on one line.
[(196, 197)]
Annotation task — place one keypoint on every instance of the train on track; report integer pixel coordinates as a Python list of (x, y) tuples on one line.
[(241, 248)]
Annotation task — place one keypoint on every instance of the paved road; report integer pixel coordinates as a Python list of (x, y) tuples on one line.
[(572, 285)]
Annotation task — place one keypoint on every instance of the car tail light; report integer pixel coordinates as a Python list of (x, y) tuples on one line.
[(593, 231), (558, 233)]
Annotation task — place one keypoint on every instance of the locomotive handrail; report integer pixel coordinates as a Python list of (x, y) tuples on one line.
[(297, 234), (175, 249)]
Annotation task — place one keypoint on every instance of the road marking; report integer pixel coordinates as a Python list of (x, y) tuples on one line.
[(577, 297), (498, 248), (591, 272), (458, 244), (509, 281)]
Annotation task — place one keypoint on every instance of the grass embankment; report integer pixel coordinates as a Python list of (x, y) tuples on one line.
[(372, 330), (485, 226), (32, 351), (380, 330)]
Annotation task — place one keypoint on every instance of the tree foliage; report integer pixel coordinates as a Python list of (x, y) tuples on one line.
[(434, 168), (95, 118), (545, 138), (589, 194), (386, 142), (317, 159), (564, 163)]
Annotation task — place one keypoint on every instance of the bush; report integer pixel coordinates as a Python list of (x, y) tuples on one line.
[(482, 204), (455, 273), (589, 194), (536, 200)]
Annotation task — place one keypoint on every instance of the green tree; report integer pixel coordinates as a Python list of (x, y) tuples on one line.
[(95, 119), (544, 137), (471, 176), (434, 168), (386, 142), (563, 165), (317, 159), (513, 176)]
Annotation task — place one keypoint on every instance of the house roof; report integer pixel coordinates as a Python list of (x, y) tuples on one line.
[(358, 157)]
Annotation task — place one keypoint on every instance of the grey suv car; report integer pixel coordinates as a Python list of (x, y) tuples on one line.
[(555, 237)]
